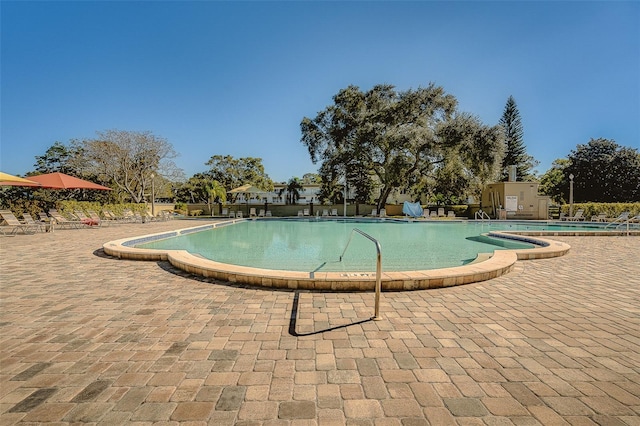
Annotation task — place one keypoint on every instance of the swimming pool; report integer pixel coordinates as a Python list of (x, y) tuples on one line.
[(485, 266), (316, 245)]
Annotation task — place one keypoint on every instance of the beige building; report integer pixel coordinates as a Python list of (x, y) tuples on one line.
[(515, 200)]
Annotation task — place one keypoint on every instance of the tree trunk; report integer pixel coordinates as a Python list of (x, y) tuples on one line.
[(382, 201)]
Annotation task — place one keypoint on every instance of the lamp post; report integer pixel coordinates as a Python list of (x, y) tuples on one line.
[(344, 212), (571, 195), (153, 195)]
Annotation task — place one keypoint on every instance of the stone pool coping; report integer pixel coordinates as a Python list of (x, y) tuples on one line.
[(482, 269)]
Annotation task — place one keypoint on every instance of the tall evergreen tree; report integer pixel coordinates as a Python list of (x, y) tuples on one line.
[(515, 150)]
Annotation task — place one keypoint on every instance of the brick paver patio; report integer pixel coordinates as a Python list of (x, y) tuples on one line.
[(85, 338)]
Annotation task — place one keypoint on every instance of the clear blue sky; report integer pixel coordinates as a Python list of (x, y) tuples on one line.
[(237, 78)]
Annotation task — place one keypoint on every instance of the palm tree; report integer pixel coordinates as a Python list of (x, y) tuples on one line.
[(293, 188)]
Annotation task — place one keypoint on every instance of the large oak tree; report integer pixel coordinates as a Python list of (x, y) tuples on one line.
[(393, 140)]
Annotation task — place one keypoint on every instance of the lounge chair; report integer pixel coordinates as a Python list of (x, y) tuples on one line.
[(374, 212), (425, 213), (63, 222), (451, 213), (305, 212), (325, 212), (433, 214), (132, 216), (46, 220), (383, 212), (86, 219), (261, 213), (576, 217), (225, 212), (252, 212), (38, 226), (441, 212), (601, 217), (149, 217), (334, 212), (239, 214), (13, 225), (299, 212), (268, 213)]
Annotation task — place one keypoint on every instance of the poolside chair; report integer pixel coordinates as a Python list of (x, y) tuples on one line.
[(13, 225), (85, 219), (299, 212), (334, 212), (261, 213), (425, 213), (440, 211), (305, 212), (374, 212), (225, 212), (63, 222), (433, 214), (268, 213), (601, 217), (252, 212), (46, 220), (131, 216), (325, 212), (38, 226), (576, 217), (451, 213), (239, 214), (383, 212)]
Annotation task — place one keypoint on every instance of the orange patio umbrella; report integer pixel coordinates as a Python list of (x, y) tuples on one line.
[(59, 180)]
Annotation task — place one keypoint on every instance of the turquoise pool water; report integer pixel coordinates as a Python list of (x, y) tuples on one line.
[(316, 245)]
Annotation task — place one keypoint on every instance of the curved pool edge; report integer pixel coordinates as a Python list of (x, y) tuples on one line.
[(499, 263)]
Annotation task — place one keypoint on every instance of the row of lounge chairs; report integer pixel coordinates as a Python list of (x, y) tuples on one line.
[(601, 217), (11, 225)]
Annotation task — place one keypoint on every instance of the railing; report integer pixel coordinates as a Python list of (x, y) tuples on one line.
[(619, 221), (376, 315), (481, 215)]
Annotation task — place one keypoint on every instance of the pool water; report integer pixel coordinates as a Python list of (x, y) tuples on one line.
[(316, 245)]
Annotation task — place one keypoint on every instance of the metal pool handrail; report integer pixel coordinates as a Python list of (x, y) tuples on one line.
[(376, 315)]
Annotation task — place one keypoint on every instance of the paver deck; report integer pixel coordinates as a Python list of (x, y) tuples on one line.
[(86, 338)]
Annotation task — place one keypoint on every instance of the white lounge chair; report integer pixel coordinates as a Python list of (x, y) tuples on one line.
[(440, 211), (451, 213), (383, 212), (252, 212), (576, 217), (305, 212), (374, 212), (239, 214), (334, 212), (261, 213), (268, 213), (325, 212)]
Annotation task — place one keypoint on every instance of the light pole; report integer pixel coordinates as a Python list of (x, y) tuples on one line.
[(153, 195), (571, 195), (344, 212)]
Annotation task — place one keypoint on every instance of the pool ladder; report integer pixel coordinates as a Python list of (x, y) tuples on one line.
[(481, 215), (376, 315)]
